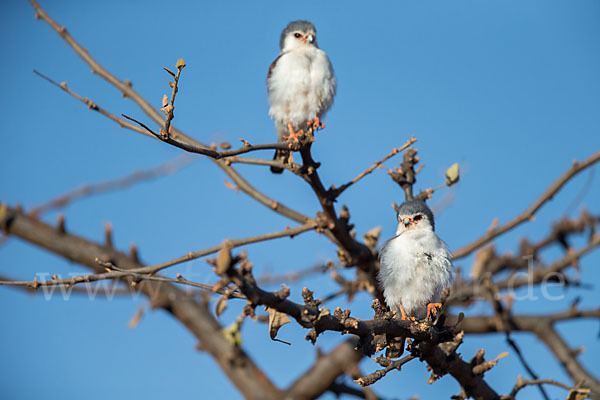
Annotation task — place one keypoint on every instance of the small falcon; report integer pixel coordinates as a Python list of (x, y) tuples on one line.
[(300, 83), (415, 264)]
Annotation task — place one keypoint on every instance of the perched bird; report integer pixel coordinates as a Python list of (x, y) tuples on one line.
[(415, 264), (300, 83)]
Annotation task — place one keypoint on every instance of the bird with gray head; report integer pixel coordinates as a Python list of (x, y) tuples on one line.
[(300, 83), (415, 265)]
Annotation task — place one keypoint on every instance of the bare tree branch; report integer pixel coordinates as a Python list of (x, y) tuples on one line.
[(102, 187), (528, 214), (229, 243), (112, 273), (434, 342), (243, 372), (522, 383), (128, 91), (201, 149), (337, 192), (389, 366), (441, 359), (93, 106), (543, 327), (537, 275)]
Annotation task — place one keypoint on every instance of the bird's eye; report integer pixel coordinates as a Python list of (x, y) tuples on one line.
[(297, 35), (418, 218)]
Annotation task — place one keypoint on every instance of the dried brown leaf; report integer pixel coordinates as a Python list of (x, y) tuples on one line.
[(133, 322), (452, 174), (180, 64), (228, 184), (277, 320), (221, 305), (224, 258), (578, 394)]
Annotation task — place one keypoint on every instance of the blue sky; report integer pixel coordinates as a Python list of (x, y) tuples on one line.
[(508, 89)]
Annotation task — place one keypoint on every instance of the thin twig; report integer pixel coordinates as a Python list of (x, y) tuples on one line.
[(389, 365), (103, 187), (201, 149), (111, 275), (259, 161), (93, 106), (502, 314), (426, 194), (372, 168), (522, 383), (127, 290), (525, 364), (338, 389), (170, 107), (231, 244)]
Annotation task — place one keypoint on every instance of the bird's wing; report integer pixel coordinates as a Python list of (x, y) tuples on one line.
[(272, 66), (442, 262)]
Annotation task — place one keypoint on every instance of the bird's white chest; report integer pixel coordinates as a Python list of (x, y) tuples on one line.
[(301, 86), (415, 267)]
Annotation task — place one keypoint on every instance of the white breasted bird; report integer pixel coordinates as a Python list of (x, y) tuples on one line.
[(300, 83), (415, 265)]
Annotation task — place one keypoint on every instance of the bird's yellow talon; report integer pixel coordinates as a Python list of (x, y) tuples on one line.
[(295, 136), (405, 316), (316, 123), (436, 307)]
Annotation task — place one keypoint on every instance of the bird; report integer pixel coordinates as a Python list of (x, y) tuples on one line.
[(415, 265), (301, 85)]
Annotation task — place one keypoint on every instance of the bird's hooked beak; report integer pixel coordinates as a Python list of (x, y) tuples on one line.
[(309, 38), (406, 221)]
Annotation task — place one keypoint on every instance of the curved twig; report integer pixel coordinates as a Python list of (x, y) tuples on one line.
[(230, 243), (337, 192)]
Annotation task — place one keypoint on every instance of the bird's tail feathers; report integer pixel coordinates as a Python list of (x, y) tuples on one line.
[(280, 155)]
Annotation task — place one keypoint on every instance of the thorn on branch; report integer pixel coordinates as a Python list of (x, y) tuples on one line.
[(480, 366), (345, 219), (108, 235), (61, 223), (309, 300), (134, 253), (381, 311), (283, 294)]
